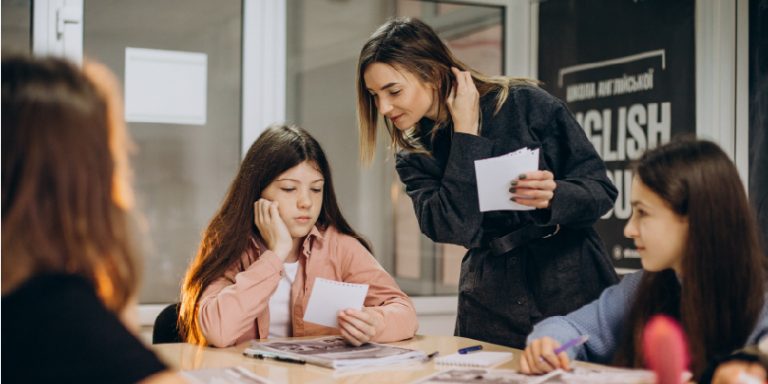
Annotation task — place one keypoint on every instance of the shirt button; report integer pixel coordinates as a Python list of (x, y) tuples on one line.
[(520, 301)]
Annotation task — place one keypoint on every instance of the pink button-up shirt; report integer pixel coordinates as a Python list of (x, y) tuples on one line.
[(235, 307)]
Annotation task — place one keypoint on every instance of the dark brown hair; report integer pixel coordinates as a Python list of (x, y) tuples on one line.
[(62, 153), (278, 149), (410, 44), (721, 293)]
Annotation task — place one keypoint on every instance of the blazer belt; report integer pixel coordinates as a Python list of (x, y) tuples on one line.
[(514, 239)]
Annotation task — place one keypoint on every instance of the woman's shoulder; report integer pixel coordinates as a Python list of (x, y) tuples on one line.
[(45, 286)]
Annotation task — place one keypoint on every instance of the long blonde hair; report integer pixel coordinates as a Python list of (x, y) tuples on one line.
[(65, 195), (410, 44)]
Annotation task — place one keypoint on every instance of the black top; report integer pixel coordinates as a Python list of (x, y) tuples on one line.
[(501, 297), (55, 329)]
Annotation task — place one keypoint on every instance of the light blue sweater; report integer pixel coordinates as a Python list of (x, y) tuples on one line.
[(602, 320)]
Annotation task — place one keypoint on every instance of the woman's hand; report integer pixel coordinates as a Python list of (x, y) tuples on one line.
[(539, 357), (534, 189), (737, 371), (464, 103), (360, 327), (272, 228)]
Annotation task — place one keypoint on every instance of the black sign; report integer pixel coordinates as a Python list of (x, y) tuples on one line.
[(626, 69)]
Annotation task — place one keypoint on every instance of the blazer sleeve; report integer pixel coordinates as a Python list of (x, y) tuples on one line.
[(584, 192), (231, 303), (384, 295), (446, 201), (601, 320)]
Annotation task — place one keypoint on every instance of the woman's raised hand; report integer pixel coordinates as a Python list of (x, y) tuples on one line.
[(534, 189), (464, 103), (272, 228)]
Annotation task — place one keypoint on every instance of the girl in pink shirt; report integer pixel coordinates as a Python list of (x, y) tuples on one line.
[(278, 229)]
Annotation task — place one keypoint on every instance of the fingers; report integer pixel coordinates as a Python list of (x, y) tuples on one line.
[(533, 189), (356, 327), (539, 357)]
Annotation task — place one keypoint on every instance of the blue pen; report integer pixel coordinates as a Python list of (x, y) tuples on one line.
[(572, 343), (464, 351)]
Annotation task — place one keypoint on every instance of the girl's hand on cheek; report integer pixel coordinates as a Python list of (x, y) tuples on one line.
[(360, 327), (272, 228)]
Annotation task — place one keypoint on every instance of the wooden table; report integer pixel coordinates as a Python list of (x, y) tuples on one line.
[(187, 357)]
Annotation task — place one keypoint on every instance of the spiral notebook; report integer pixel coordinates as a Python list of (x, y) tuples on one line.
[(482, 359), (328, 297)]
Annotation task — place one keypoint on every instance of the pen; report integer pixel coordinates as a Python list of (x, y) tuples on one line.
[(430, 356), (464, 351), (262, 356), (572, 343)]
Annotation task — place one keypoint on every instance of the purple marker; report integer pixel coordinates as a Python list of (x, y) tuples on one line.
[(572, 343)]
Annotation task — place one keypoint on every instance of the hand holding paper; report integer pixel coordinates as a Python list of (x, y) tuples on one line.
[(495, 174), (328, 297)]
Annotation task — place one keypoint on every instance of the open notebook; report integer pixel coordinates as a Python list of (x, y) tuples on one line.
[(482, 359)]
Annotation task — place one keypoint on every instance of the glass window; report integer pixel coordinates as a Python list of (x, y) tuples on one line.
[(16, 28), (181, 171)]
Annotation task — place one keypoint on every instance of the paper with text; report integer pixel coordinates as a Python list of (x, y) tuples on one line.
[(328, 297), (495, 174)]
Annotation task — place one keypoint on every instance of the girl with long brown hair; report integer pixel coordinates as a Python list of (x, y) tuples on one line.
[(702, 264), (442, 116), (278, 229), (69, 274)]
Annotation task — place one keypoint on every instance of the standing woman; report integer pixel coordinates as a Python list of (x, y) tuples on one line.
[(522, 266)]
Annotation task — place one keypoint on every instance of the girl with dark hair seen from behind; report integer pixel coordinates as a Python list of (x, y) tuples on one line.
[(69, 274), (278, 229), (522, 266), (702, 264)]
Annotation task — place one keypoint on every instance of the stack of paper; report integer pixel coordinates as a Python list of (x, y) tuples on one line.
[(494, 177), (334, 352)]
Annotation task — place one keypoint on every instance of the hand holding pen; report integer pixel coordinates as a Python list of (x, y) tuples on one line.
[(546, 354)]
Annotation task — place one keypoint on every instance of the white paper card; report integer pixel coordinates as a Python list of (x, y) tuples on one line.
[(165, 86), (495, 174), (328, 297)]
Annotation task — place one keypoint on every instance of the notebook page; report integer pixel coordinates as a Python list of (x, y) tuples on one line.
[(474, 359), (328, 297)]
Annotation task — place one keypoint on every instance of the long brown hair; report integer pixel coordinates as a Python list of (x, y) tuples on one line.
[(412, 45), (63, 162), (721, 294), (278, 149)]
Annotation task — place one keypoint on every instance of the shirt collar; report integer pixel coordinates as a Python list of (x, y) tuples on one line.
[(306, 246)]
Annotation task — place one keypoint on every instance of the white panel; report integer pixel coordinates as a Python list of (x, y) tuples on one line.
[(264, 41), (715, 72), (57, 29), (518, 48), (165, 86), (741, 156)]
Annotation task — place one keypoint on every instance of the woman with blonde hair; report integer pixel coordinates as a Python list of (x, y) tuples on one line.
[(442, 116)]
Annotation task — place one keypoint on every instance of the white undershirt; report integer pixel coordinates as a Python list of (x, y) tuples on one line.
[(280, 303)]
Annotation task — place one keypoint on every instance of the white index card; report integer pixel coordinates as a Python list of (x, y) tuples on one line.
[(165, 86), (495, 174), (328, 297)]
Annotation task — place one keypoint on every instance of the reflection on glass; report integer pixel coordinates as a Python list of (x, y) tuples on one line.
[(181, 171)]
